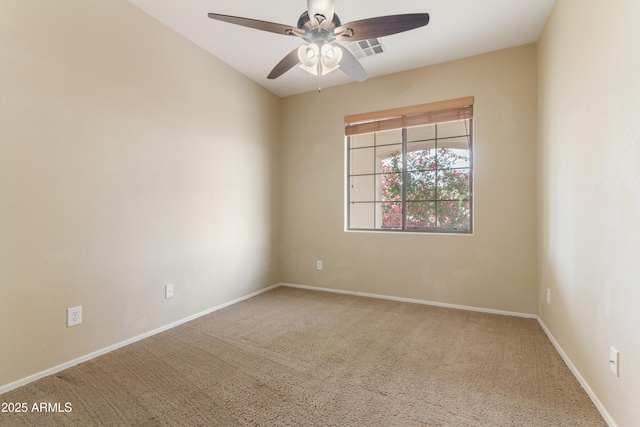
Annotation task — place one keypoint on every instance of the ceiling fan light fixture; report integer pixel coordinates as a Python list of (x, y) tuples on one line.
[(311, 56), (330, 56), (308, 54), (327, 70)]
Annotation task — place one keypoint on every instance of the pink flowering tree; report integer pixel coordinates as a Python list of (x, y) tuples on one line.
[(437, 190)]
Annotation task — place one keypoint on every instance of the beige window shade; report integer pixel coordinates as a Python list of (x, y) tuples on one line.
[(418, 115)]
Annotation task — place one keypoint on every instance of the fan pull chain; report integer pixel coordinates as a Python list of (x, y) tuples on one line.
[(319, 75)]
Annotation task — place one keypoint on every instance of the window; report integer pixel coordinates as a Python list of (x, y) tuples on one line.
[(410, 169)]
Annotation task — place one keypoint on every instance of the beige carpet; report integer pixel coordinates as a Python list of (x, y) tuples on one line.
[(292, 357)]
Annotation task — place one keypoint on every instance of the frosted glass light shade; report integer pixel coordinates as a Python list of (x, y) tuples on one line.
[(330, 56), (311, 56)]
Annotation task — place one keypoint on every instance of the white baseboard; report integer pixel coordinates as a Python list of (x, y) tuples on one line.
[(66, 365), (576, 373), (414, 301), (579, 377)]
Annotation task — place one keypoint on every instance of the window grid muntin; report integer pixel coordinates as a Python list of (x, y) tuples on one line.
[(466, 201)]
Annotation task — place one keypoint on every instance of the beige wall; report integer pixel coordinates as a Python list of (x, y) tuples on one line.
[(125, 165), (589, 201), (495, 267)]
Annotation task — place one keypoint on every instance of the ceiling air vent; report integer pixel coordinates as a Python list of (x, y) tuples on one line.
[(364, 48)]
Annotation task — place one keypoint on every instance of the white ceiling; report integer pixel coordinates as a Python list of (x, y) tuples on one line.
[(457, 29)]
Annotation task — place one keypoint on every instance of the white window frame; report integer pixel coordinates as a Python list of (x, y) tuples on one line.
[(378, 123)]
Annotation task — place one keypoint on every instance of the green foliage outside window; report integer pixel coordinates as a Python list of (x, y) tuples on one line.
[(437, 189)]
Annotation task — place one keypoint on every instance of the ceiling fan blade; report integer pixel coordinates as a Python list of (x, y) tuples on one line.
[(380, 27), (350, 64), (271, 27), (287, 63)]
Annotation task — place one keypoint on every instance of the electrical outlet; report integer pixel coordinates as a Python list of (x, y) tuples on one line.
[(548, 296), (74, 316), (168, 291), (614, 358), (319, 264)]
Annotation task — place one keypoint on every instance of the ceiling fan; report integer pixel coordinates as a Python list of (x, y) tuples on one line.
[(321, 28)]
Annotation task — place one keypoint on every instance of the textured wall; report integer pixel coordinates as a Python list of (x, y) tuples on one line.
[(495, 267), (129, 159), (589, 203)]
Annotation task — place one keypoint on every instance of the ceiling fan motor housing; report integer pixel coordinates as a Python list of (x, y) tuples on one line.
[(314, 31), (321, 10)]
